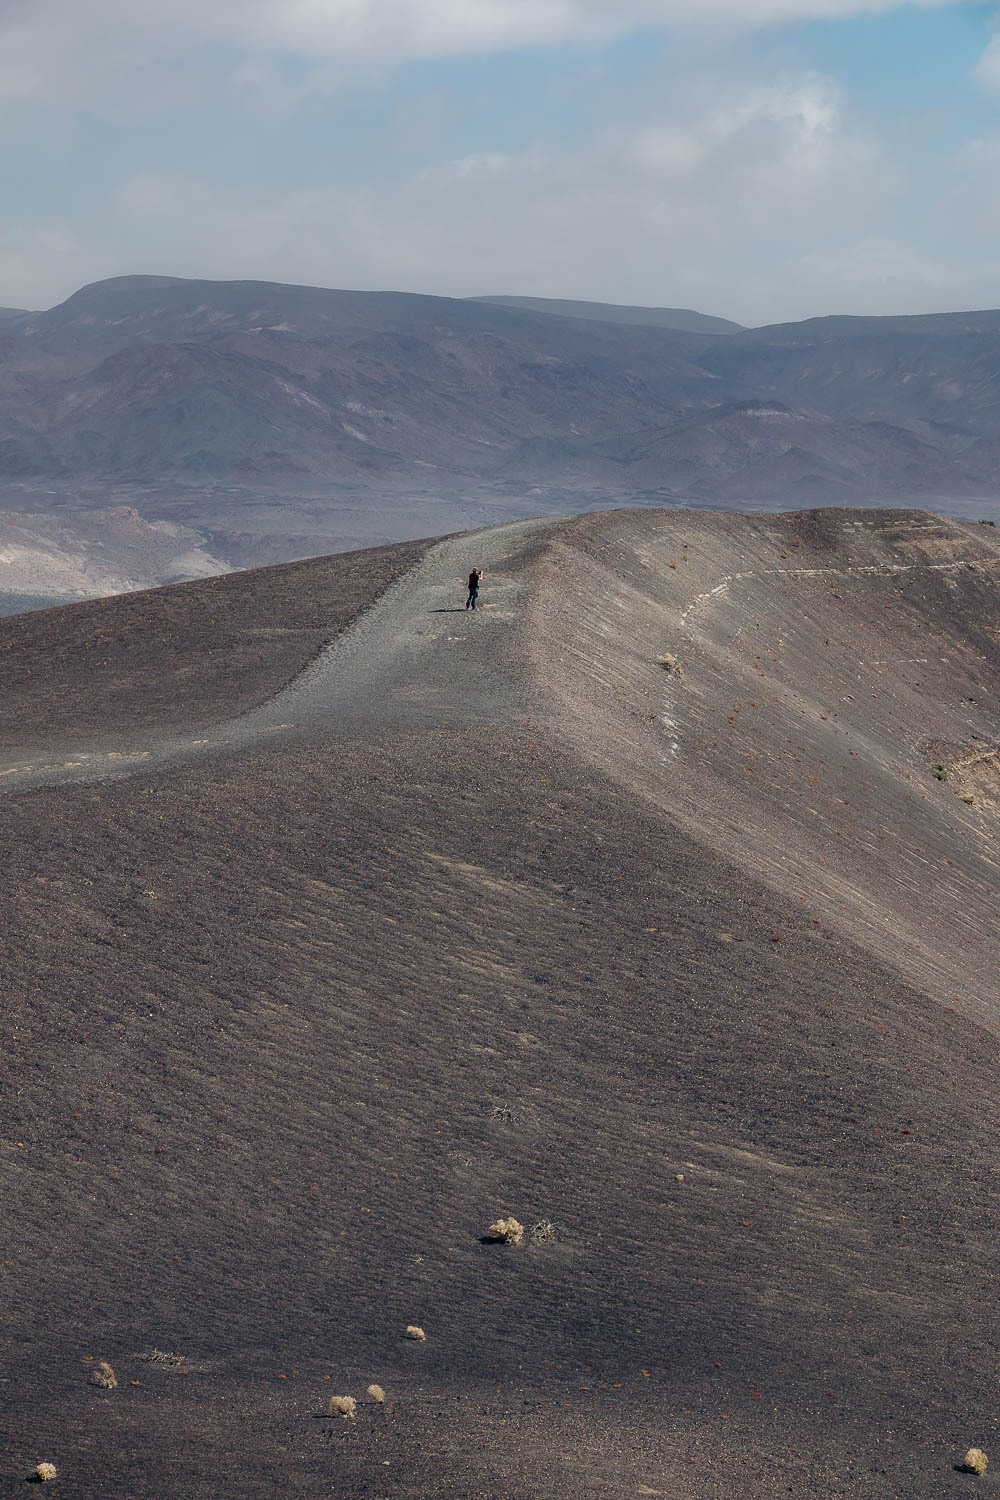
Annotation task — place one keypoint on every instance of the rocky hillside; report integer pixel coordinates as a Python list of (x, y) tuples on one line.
[(274, 422), (147, 378)]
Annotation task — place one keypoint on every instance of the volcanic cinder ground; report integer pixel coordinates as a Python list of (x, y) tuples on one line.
[(652, 903)]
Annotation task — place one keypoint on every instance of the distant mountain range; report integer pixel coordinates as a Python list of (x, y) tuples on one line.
[(297, 419), (680, 318)]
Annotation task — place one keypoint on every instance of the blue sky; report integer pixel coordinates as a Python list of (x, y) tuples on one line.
[(781, 158)]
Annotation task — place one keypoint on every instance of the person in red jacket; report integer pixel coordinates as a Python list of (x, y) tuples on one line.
[(474, 578)]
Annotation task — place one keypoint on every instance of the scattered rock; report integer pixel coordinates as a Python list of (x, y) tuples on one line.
[(102, 1375)]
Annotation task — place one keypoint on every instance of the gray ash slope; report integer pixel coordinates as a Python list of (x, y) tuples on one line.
[(696, 966)]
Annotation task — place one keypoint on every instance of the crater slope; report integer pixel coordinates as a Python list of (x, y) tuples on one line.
[(631, 905)]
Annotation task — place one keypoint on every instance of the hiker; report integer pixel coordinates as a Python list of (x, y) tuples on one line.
[(474, 578)]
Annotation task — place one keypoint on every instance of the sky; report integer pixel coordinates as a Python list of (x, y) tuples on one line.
[(762, 160)]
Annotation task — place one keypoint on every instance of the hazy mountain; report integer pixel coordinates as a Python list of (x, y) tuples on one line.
[(936, 375), (8, 314), (294, 414), (146, 377), (110, 315), (680, 318)]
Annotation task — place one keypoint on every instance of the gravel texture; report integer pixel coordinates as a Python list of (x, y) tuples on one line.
[(289, 1025)]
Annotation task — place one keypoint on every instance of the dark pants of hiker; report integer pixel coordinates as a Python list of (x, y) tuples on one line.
[(471, 601)]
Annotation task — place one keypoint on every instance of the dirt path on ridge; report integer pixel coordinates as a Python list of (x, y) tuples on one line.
[(415, 657)]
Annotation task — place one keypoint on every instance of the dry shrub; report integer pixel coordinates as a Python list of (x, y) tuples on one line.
[(511, 1231), (542, 1232), (376, 1393), (343, 1406), (103, 1375), (669, 663), (975, 1461), (413, 1332), (45, 1471)]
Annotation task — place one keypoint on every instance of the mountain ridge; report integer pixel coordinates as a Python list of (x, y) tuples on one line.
[(250, 409), (682, 319)]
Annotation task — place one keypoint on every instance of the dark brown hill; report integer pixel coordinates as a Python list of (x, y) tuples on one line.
[(630, 905)]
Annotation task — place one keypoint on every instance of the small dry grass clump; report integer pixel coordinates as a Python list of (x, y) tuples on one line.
[(975, 1461), (669, 663), (343, 1406), (413, 1332), (45, 1471), (103, 1376), (376, 1393), (542, 1232), (511, 1231)]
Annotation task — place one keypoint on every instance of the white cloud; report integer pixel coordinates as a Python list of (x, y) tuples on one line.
[(737, 198), (89, 46), (988, 67), (728, 181)]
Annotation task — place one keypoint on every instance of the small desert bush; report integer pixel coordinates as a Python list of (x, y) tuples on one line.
[(542, 1232), (975, 1461), (103, 1375), (940, 774), (511, 1231), (376, 1393), (669, 663), (413, 1332), (45, 1471), (343, 1406)]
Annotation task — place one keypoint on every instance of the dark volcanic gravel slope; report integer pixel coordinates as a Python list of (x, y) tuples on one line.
[(286, 1032), (172, 659)]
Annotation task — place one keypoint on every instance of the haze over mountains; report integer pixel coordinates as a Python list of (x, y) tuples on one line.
[(281, 421)]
